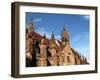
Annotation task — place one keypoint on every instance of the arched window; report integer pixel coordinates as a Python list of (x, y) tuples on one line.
[(68, 59), (69, 53), (75, 60)]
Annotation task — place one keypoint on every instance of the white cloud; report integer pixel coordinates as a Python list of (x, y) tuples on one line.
[(42, 31), (76, 39), (58, 37), (80, 38), (80, 43), (37, 19), (48, 35), (86, 17)]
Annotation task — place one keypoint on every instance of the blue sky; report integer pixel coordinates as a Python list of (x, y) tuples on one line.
[(76, 25)]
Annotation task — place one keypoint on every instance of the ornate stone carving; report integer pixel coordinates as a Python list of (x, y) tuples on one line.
[(45, 52), (42, 56)]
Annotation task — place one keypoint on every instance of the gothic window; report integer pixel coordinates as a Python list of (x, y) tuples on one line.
[(69, 53), (68, 59), (75, 60)]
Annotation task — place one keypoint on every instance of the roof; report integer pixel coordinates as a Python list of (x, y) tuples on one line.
[(39, 37)]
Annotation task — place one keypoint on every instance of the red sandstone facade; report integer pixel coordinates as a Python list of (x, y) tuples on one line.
[(41, 51)]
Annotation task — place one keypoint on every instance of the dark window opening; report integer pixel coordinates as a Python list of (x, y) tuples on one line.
[(68, 59), (75, 60), (69, 53)]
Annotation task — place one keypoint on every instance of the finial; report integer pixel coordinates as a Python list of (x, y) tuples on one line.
[(31, 26), (64, 28), (52, 36), (44, 36), (31, 21)]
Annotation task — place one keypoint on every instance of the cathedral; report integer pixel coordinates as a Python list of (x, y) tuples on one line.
[(41, 51)]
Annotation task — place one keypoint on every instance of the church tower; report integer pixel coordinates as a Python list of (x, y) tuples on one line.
[(31, 28), (53, 51), (66, 50), (29, 44), (65, 37)]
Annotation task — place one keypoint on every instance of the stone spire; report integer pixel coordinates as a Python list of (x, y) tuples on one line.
[(31, 21), (44, 36), (52, 36), (31, 28), (52, 41), (64, 29), (65, 37), (43, 40)]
